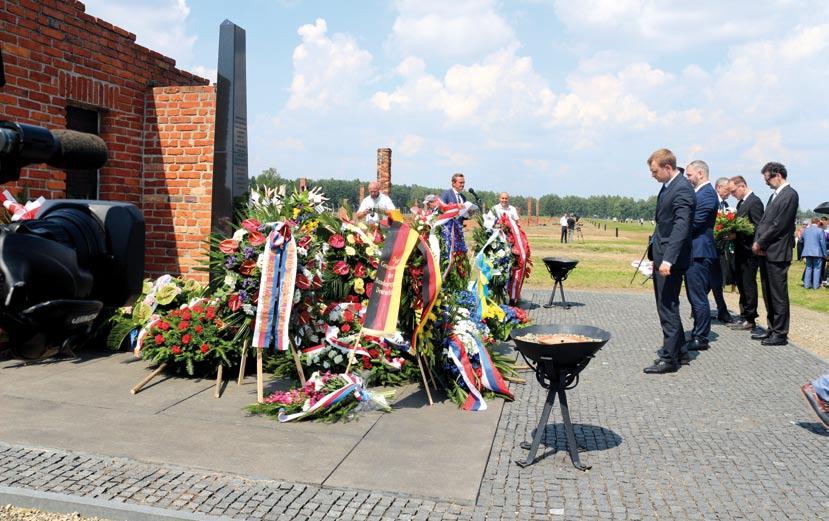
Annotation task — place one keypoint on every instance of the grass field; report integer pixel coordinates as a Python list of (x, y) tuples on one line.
[(604, 260)]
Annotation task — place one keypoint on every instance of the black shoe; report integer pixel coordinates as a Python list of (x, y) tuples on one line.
[(684, 359), (725, 318), (760, 335), (698, 344), (775, 340), (742, 325), (662, 367)]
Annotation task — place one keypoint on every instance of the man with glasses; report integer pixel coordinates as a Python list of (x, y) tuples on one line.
[(773, 244), (751, 207)]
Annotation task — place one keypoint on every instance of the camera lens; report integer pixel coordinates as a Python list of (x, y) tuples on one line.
[(74, 227)]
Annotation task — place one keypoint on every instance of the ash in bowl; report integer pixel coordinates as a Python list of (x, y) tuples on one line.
[(556, 338)]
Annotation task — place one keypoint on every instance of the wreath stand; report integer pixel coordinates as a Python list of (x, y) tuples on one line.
[(137, 388), (260, 373)]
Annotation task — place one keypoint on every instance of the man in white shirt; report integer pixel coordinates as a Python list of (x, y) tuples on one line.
[(505, 208), (563, 223), (375, 205)]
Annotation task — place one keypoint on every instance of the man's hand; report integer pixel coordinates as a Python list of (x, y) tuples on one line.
[(664, 269), (757, 250)]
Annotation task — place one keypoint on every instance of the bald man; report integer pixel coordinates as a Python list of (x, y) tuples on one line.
[(503, 207), (375, 205)]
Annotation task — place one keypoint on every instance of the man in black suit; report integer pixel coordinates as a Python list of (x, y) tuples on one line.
[(773, 244), (670, 251), (722, 271), (751, 207)]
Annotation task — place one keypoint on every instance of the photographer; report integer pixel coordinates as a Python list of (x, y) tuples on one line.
[(375, 205)]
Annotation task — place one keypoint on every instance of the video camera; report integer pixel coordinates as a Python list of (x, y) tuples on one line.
[(66, 270)]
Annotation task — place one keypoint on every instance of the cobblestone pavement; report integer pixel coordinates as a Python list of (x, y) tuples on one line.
[(727, 437)]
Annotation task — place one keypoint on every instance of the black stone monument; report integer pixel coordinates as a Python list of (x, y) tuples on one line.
[(230, 153)]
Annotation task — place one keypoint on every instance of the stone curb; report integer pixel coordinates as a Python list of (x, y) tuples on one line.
[(90, 507)]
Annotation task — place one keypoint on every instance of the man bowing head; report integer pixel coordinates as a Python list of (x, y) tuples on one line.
[(670, 251)]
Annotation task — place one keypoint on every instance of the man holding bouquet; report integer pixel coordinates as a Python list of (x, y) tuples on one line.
[(750, 207)]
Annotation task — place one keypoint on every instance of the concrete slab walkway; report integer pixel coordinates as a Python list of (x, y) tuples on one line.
[(727, 437)]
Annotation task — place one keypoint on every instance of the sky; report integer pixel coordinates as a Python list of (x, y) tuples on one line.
[(528, 96)]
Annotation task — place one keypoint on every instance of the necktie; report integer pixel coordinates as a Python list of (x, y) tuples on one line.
[(739, 203), (771, 199), (458, 197), (723, 206)]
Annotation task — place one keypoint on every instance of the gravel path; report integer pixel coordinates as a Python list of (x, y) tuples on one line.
[(11, 513)]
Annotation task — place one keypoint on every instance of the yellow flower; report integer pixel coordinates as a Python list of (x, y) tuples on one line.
[(350, 238), (359, 286), (297, 211), (350, 251)]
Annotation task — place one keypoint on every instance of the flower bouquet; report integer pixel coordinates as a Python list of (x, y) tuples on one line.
[(324, 397), (157, 297), (192, 337), (727, 226), (502, 319)]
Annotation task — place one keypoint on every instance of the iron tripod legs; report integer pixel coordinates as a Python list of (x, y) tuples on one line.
[(572, 448), (559, 284)]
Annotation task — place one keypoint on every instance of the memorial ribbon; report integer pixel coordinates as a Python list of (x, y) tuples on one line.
[(276, 289)]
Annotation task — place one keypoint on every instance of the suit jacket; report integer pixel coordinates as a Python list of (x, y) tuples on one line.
[(751, 208), (775, 231), (702, 225), (814, 242), (449, 197), (671, 239)]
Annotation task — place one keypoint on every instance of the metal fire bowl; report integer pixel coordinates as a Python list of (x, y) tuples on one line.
[(558, 266), (562, 355)]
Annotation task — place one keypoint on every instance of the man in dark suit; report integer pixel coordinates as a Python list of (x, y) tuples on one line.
[(773, 243), (670, 251), (455, 194), (722, 271), (751, 207), (703, 253)]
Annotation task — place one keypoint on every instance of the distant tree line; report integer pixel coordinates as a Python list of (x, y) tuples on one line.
[(551, 205)]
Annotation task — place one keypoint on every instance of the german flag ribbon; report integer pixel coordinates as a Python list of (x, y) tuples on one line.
[(431, 287), (384, 304)]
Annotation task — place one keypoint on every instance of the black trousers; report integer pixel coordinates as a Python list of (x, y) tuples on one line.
[(747, 265), (775, 281), (563, 234), (666, 290), (716, 279)]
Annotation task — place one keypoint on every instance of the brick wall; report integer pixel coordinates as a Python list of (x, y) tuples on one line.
[(56, 55), (178, 177)]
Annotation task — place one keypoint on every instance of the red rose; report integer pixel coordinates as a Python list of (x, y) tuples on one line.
[(731, 217), (159, 339), (341, 268), (185, 314), (718, 227), (336, 241), (164, 326), (373, 353), (183, 325), (352, 298), (228, 246), (186, 339), (176, 350), (302, 282), (199, 328), (366, 362), (369, 287), (247, 267), (176, 312), (255, 238), (197, 309), (374, 263), (346, 328), (204, 348), (348, 316), (219, 323), (234, 302), (359, 270), (251, 225), (211, 312)]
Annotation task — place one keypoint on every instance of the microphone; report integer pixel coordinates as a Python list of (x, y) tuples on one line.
[(78, 151), (472, 191), (22, 145)]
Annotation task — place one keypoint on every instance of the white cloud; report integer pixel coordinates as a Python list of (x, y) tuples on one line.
[(455, 30), (500, 87), (204, 72), (768, 146), (410, 145), (328, 71), (158, 24), (537, 165), (288, 143)]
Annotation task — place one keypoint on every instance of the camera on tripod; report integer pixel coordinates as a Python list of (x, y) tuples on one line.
[(66, 270)]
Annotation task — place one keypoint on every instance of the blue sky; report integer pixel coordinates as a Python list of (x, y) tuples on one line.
[(528, 96)]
